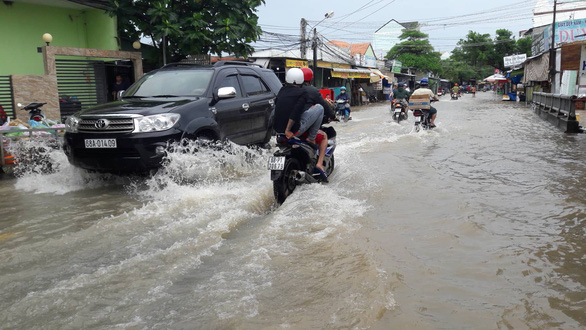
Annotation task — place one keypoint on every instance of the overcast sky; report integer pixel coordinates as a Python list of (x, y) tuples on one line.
[(354, 21)]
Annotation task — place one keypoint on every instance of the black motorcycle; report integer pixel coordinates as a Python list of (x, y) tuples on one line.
[(398, 110), (342, 110), (294, 164), (422, 119), (34, 111)]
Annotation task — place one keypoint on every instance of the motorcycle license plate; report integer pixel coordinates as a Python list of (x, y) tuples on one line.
[(100, 143), (276, 163), (417, 119), (397, 110)]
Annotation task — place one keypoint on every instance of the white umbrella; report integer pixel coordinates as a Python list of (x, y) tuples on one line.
[(495, 77)]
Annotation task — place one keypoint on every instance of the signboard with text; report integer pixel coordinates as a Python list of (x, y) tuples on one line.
[(565, 32), (514, 60), (296, 63), (397, 65)]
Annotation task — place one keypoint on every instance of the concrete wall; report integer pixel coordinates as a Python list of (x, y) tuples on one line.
[(22, 26), (36, 88)]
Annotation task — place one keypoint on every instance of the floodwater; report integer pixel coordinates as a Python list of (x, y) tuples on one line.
[(478, 224)]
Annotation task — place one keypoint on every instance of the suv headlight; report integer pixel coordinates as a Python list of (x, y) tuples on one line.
[(71, 124), (155, 123)]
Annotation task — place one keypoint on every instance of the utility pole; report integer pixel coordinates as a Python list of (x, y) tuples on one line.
[(302, 40), (552, 52), (314, 45)]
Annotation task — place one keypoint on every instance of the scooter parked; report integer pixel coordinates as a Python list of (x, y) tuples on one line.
[(34, 111)]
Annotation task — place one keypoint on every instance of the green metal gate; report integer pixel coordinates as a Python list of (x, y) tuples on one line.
[(81, 83), (6, 96)]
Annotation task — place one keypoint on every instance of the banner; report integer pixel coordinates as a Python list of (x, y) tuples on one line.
[(514, 60), (347, 75), (565, 32), (296, 63)]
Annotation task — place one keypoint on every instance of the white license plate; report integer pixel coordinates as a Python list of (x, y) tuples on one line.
[(397, 110), (100, 143), (276, 163), (417, 119)]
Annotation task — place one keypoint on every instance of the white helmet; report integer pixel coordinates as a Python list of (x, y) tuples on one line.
[(294, 76)]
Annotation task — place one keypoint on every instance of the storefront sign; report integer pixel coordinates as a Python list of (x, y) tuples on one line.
[(397, 65), (378, 86), (296, 64), (348, 75), (514, 60), (329, 65), (566, 31)]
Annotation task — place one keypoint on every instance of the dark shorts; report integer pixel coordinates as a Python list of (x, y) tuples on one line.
[(432, 111)]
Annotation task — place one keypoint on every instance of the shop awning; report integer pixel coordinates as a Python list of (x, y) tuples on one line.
[(351, 73), (376, 76)]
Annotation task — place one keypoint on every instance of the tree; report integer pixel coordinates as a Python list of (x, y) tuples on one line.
[(476, 50), (191, 26), (504, 45), (524, 46), (416, 51)]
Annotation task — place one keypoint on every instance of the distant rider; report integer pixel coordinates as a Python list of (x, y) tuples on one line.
[(424, 90), (344, 96), (314, 98), (402, 96), (289, 109), (455, 89)]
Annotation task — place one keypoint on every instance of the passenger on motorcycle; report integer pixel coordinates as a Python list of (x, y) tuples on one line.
[(289, 109), (344, 96), (402, 96), (424, 90), (314, 98)]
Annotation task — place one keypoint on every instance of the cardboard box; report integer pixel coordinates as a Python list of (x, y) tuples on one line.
[(419, 102)]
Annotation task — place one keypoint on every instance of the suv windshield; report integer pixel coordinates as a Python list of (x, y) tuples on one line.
[(171, 83)]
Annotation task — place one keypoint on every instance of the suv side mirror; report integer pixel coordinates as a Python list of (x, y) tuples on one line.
[(119, 94), (226, 93)]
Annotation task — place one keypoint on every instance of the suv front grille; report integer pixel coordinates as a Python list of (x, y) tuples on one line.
[(109, 125)]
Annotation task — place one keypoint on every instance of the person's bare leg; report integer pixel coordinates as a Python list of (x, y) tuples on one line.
[(432, 121), (322, 153)]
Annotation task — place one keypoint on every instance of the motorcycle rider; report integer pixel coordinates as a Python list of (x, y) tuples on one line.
[(289, 109), (314, 97), (345, 97), (402, 96), (424, 90)]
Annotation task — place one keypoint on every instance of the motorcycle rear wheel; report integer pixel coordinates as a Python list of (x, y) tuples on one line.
[(285, 185)]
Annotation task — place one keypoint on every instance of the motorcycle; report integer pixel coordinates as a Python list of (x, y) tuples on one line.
[(294, 163), (422, 119), (35, 112), (454, 96), (399, 112), (342, 110)]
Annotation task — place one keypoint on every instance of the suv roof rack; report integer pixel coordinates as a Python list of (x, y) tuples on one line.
[(222, 63)]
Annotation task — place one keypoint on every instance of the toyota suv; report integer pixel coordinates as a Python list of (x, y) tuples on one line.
[(227, 101)]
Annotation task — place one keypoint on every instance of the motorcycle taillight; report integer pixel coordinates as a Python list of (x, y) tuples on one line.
[(282, 140), (417, 113), (37, 118)]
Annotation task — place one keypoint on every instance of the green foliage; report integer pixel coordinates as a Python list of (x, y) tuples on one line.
[(416, 52), (504, 45), (191, 26), (524, 46)]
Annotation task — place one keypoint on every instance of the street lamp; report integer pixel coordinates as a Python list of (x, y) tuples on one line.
[(314, 44), (47, 37)]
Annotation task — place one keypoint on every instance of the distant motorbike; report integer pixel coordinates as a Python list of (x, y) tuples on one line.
[(34, 111), (454, 96), (294, 163), (399, 111), (342, 110)]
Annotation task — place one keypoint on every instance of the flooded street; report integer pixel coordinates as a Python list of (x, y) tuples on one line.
[(479, 224)]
